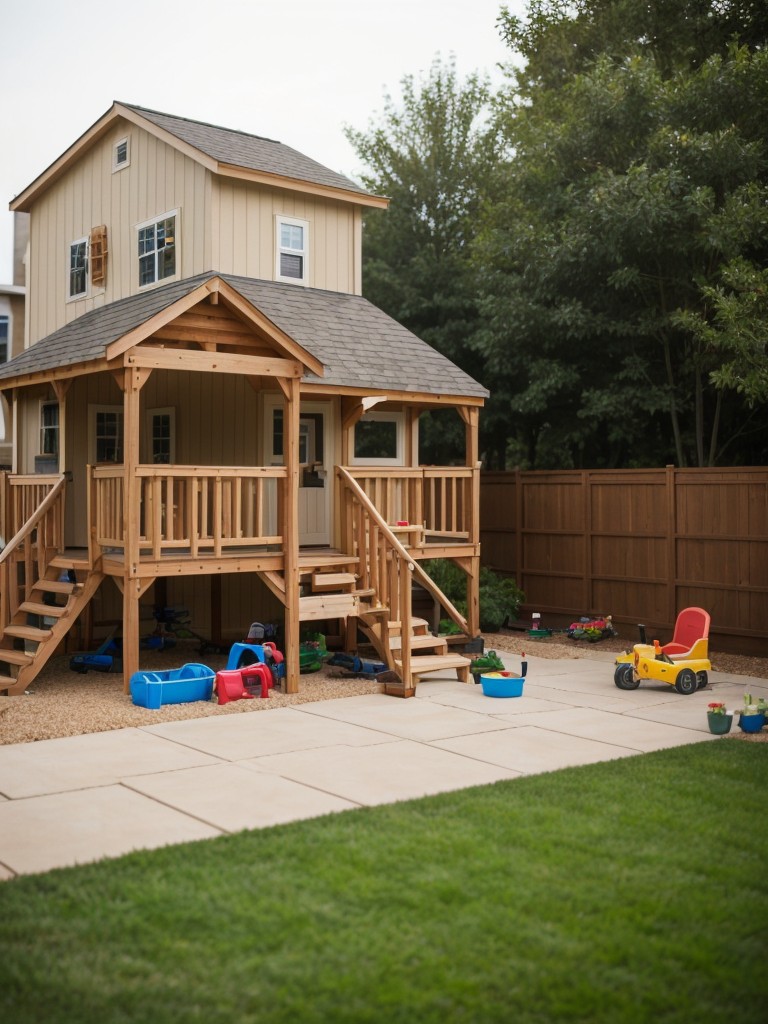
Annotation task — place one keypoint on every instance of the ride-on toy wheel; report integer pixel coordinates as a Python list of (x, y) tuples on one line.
[(686, 681), (701, 680), (624, 678)]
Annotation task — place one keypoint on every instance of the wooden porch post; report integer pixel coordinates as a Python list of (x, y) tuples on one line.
[(133, 381), (290, 532), (60, 389), (471, 417)]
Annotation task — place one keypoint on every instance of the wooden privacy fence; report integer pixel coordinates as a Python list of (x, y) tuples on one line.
[(636, 544)]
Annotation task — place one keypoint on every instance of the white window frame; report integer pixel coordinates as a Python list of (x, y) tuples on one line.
[(280, 249), (122, 164), (176, 214), (71, 296), (398, 418)]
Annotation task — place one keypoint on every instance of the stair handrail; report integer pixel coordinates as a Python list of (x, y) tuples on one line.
[(21, 537), (419, 574)]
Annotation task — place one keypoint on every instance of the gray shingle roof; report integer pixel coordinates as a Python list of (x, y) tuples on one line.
[(359, 345), (229, 146)]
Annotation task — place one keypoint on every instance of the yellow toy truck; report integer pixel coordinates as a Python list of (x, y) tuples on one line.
[(683, 662)]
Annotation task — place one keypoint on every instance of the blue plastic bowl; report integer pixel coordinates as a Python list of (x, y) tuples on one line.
[(496, 685), (751, 723)]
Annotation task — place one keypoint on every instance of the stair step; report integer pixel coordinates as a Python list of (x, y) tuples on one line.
[(436, 663), (68, 562), (420, 643), (327, 606), (332, 580), (6, 682), (51, 611), (55, 586), (14, 657), (28, 633)]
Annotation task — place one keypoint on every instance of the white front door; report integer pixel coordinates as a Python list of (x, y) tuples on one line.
[(315, 462)]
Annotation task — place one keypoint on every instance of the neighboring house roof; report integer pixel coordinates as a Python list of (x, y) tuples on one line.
[(224, 151), (359, 345)]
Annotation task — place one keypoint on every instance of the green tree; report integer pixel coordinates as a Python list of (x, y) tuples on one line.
[(430, 153), (635, 182)]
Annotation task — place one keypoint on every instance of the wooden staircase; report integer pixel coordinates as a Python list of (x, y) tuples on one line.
[(42, 620)]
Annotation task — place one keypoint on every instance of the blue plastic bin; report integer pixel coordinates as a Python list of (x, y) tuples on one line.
[(173, 686), (496, 685)]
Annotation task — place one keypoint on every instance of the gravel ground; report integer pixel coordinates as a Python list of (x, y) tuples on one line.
[(64, 703)]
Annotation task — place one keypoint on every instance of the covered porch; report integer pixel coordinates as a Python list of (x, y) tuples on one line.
[(220, 377)]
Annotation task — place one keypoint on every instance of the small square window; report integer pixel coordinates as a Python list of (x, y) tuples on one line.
[(121, 154), (292, 250)]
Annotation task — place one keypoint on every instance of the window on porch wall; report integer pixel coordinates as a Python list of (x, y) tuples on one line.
[(108, 432), (49, 428)]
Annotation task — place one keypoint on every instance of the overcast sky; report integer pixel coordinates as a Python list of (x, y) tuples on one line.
[(292, 70)]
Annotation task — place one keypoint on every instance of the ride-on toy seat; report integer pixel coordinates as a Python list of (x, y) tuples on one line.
[(691, 636), (683, 662)]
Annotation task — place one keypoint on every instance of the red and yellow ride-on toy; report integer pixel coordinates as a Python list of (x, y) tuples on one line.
[(683, 662)]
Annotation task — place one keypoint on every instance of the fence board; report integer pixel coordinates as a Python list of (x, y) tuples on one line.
[(636, 544)]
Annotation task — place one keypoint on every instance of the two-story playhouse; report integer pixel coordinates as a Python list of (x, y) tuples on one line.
[(208, 413)]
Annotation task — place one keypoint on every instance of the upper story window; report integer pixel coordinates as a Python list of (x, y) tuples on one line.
[(78, 268), (157, 249), (5, 325), (121, 154), (292, 250)]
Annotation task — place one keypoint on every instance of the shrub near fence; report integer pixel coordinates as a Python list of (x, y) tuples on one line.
[(635, 544)]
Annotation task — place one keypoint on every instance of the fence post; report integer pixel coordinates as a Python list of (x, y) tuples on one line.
[(519, 528), (671, 481)]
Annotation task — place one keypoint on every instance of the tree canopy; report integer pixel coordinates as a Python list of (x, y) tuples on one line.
[(594, 251)]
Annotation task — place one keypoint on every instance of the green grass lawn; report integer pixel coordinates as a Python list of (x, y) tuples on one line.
[(630, 891)]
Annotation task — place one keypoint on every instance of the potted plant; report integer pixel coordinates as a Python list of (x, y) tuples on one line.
[(718, 719), (752, 715)]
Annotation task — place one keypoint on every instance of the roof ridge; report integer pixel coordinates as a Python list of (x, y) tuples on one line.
[(192, 120)]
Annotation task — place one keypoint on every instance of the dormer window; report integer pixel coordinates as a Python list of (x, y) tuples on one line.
[(157, 249), (292, 250), (78, 268), (121, 155)]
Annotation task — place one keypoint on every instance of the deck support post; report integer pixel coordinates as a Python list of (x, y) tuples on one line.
[(133, 381), (290, 533), (471, 417)]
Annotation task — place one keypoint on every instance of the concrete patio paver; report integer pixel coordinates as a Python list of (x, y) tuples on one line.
[(62, 829), (529, 749), (238, 737), (232, 797), (401, 770), (97, 759)]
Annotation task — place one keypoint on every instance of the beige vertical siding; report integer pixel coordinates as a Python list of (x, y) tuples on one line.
[(158, 179), (244, 240)]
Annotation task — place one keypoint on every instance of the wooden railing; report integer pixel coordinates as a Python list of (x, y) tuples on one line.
[(26, 556), (197, 509), (442, 499), (384, 564)]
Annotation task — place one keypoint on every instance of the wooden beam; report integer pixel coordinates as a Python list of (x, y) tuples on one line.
[(207, 362)]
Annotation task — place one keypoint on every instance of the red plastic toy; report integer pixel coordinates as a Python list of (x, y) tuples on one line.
[(238, 684)]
